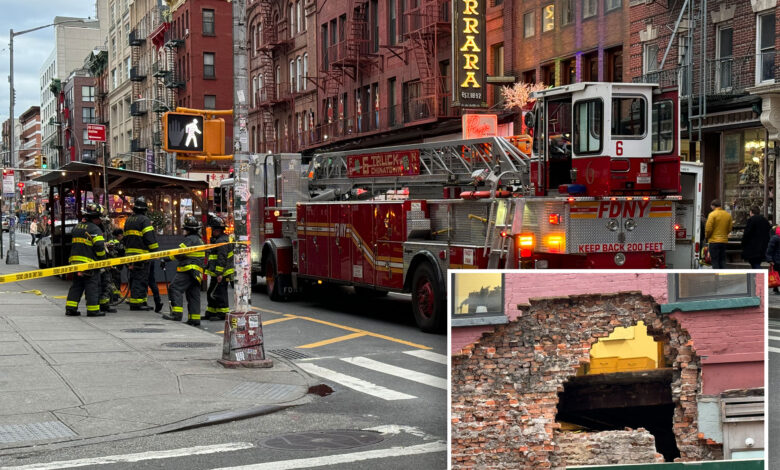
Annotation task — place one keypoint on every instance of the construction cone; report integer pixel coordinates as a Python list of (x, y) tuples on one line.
[(242, 344)]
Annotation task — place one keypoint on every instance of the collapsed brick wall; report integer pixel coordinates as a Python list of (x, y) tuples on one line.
[(505, 387), (607, 447)]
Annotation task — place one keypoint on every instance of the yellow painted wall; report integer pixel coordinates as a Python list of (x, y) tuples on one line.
[(625, 343)]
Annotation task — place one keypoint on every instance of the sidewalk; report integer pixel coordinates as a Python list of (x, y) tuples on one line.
[(74, 380)]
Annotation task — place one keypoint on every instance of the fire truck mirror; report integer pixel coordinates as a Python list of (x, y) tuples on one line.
[(530, 121)]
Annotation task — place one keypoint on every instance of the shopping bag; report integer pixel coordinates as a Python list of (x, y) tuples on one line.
[(774, 277)]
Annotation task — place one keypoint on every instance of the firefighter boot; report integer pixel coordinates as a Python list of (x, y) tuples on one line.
[(193, 322), (175, 314), (107, 309), (142, 307), (158, 306), (72, 312)]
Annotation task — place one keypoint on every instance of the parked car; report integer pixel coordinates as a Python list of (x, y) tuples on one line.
[(6, 225), (49, 245)]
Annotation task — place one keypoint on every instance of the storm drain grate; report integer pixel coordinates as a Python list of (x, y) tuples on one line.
[(276, 392), (291, 354), (189, 345), (34, 432), (143, 330), (323, 440)]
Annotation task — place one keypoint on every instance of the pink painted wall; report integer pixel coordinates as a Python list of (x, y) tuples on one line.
[(730, 342)]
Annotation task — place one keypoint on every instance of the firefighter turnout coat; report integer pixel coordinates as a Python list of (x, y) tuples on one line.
[(189, 273), (139, 239), (87, 245), (220, 263)]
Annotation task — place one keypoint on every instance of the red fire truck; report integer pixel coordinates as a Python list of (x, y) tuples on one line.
[(597, 190)]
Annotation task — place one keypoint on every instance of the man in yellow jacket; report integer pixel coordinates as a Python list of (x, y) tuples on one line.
[(716, 232)]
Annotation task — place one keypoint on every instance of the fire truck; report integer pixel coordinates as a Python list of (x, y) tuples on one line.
[(595, 187)]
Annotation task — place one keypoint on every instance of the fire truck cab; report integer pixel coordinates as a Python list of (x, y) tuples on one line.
[(598, 190)]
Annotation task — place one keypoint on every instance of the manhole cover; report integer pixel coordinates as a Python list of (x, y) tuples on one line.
[(34, 432), (289, 354), (323, 440), (189, 345), (143, 330)]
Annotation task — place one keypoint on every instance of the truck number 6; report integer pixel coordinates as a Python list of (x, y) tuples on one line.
[(619, 148)]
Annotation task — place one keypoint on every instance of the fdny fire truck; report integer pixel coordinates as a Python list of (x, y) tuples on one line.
[(595, 187)]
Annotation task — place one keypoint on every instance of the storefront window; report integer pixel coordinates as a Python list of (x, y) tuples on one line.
[(743, 175), (477, 298)]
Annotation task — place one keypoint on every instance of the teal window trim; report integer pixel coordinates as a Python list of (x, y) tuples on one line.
[(713, 304)]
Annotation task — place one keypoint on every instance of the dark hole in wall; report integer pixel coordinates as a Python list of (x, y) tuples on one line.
[(619, 400)]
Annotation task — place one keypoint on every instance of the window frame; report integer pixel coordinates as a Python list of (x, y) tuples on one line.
[(656, 130), (481, 318), (90, 96), (731, 301), (645, 126), (213, 74), (568, 9), (585, 10), (761, 51), (205, 97), (674, 283), (204, 22), (575, 125), (532, 13), (617, 5)]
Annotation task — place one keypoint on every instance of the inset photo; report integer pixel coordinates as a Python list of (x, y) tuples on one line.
[(570, 369)]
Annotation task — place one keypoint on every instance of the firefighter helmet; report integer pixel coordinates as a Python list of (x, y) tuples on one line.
[(93, 210), (139, 205), (217, 222), (191, 223)]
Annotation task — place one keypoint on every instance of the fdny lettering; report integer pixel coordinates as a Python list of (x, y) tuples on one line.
[(612, 209), (615, 247)]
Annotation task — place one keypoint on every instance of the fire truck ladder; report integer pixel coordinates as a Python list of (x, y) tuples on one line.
[(499, 222), (453, 163)]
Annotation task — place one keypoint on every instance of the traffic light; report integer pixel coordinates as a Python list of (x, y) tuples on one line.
[(183, 132), (44, 162), (38, 161)]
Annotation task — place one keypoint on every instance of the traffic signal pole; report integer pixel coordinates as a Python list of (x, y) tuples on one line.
[(13, 254), (243, 341)]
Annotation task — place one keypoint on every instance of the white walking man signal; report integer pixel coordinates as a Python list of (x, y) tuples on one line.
[(191, 129)]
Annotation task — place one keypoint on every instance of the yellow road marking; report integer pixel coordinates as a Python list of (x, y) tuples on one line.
[(332, 340), (277, 320), (59, 297), (349, 328), (267, 311)]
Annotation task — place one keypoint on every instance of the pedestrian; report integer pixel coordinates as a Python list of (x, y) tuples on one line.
[(33, 232), (87, 245), (189, 273), (755, 238), (716, 232), (139, 239), (220, 269), (773, 253)]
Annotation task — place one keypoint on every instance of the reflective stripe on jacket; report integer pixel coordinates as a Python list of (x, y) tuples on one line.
[(221, 258), (191, 261), (139, 235), (87, 243)]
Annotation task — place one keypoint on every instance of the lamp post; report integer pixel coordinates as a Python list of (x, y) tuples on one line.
[(13, 254)]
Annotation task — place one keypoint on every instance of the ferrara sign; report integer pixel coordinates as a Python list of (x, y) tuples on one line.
[(469, 53)]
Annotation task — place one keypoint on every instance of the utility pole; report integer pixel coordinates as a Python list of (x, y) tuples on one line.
[(13, 255)]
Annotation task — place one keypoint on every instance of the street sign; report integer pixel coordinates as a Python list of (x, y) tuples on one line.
[(183, 132), (8, 182), (96, 132)]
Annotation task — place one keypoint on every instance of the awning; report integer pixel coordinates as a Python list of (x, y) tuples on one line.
[(129, 181)]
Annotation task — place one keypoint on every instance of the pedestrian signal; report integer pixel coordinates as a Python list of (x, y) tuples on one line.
[(183, 132), (44, 162)]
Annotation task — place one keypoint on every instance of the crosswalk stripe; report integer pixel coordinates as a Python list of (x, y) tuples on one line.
[(341, 459), (354, 383), (139, 457), (774, 350), (428, 355), (412, 375)]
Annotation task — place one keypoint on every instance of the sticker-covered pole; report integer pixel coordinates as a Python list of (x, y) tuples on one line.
[(243, 344)]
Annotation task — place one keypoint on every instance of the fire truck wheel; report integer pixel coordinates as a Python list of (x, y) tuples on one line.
[(427, 299), (270, 279)]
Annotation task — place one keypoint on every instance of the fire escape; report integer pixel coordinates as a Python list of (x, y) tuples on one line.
[(427, 25), (274, 41), (138, 109)]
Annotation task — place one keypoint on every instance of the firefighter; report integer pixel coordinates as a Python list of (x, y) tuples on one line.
[(139, 239), (220, 268), (106, 284), (188, 277), (87, 245)]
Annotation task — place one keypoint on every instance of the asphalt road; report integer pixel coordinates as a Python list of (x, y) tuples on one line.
[(388, 381)]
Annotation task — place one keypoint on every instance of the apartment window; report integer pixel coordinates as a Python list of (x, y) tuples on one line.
[(529, 21), (477, 298), (292, 76), (589, 8), (548, 18), (88, 115), (254, 91), (567, 12), (766, 48), (87, 93), (88, 155), (391, 101), (374, 25), (298, 16), (208, 65), (292, 19), (614, 65), (210, 101), (324, 34), (391, 21), (113, 46), (113, 78), (127, 67), (610, 5), (725, 58), (305, 70), (650, 58), (208, 23), (298, 71)]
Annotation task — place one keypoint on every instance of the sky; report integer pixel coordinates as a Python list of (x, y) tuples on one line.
[(32, 49)]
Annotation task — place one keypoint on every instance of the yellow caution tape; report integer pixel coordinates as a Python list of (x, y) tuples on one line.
[(72, 268)]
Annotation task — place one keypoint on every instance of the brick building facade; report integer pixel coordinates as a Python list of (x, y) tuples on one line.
[(30, 142), (78, 109), (508, 378)]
